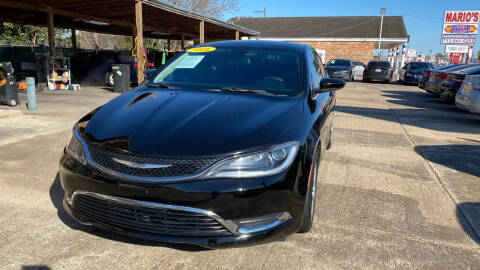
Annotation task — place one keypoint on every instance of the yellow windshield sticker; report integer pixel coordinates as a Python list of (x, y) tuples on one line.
[(201, 49)]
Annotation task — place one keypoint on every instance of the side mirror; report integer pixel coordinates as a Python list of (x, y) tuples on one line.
[(329, 85)]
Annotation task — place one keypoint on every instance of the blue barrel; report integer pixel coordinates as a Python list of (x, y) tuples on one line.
[(31, 98)]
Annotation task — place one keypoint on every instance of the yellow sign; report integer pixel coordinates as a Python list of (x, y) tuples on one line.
[(201, 49)]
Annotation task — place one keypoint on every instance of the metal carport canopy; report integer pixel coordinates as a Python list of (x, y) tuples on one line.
[(149, 18)]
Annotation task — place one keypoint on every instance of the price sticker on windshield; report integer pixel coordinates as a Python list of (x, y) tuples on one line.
[(201, 49)]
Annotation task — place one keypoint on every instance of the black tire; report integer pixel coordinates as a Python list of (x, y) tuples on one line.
[(309, 209), (109, 79)]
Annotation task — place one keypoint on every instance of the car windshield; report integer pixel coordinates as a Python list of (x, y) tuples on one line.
[(420, 65), (336, 62), (273, 72), (358, 64)]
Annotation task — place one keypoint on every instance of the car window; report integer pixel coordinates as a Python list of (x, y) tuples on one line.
[(339, 62), (273, 70), (378, 64), (420, 65), (314, 75), (318, 60)]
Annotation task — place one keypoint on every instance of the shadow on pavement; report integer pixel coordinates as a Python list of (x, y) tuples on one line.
[(472, 211), (36, 267), (462, 158), (421, 100), (56, 196)]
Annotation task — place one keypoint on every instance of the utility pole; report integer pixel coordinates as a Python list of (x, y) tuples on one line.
[(382, 10), (264, 11)]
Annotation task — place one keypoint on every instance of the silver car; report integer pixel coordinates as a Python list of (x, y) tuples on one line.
[(468, 96), (357, 69)]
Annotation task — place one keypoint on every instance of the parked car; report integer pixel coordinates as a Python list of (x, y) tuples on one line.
[(468, 96), (358, 68), (453, 82), (434, 83), (378, 70), (340, 68), (427, 72), (221, 147), (412, 72)]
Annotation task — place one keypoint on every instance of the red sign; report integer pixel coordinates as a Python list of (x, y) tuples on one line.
[(461, 17), (460, 27)]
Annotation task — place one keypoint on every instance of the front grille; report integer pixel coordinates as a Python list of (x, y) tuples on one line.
[(142, 219), (178, 167)]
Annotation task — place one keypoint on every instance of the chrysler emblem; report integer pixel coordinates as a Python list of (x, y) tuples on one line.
[(141, 165)]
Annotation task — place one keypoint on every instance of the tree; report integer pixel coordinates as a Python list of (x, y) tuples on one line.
[(439, 55), (17, 34), (213, 8)]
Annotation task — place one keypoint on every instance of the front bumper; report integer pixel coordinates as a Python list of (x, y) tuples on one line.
[(232, 200)]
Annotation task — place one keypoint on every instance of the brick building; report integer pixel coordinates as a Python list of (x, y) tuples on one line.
[(353, 38)]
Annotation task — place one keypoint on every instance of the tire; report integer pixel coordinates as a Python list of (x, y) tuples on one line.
[(309, 209), (12, 103), (109, 79)]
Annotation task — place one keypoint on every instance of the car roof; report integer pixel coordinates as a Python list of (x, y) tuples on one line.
[(260, 44), (469, 70)]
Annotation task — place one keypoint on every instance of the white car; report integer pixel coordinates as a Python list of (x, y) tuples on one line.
[(357, 68), (468, 96)]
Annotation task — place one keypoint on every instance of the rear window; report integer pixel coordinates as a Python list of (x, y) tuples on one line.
[(419, 65), (379, 65), (336, 62)]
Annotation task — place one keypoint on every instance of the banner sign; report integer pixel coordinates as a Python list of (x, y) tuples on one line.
[(460, 27), (411, 53), (456, 49)]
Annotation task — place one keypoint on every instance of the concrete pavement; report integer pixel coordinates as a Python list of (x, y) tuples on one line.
[(399, 190)]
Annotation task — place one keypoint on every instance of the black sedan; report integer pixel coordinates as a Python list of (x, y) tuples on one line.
[(453, 82), (412, 72), (221, 147), (340, 68), (378, 70)]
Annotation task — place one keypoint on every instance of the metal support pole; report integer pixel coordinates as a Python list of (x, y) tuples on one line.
[(381, 29), (202, 32), (183, 42), (139, 27), (74, 42), (31, 96)]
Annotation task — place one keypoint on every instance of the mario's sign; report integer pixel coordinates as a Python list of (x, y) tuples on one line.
[(460, 27)]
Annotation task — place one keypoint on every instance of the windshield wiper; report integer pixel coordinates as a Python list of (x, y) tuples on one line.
[(159, 85), (245, 90)]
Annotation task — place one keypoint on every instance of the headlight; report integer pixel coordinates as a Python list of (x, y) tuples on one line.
[(75, 150), (259, 164)]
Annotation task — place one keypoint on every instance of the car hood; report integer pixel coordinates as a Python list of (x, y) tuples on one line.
[(337, 68), (193, 122)]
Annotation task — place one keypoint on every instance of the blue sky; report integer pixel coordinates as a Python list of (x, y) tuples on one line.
[(423, 18)]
